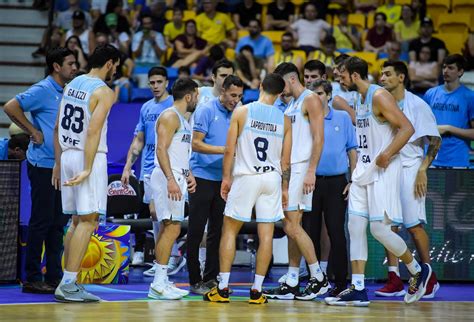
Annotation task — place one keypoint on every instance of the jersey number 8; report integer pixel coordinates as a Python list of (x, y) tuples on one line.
[(261, 146), (77, 124)]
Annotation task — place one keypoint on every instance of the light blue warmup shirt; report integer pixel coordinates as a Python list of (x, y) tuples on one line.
[(149, 113), (42, 101), (4, 149), (280, 105), (452, 108), (262, 46), (339, 138), (213, 120)]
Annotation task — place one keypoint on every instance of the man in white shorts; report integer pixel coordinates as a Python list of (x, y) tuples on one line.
[(374, 196), (170, 179), (413, 180), (260, 138), (81, 163), (307, 118)]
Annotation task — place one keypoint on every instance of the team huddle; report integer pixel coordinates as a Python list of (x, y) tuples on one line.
[(268, 173)]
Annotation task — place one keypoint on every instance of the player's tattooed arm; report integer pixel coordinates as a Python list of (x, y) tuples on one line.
[(433, 148), (285, 176)]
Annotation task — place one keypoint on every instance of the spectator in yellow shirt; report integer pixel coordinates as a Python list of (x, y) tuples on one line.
[(174, 28), (407, 28), (392, 11), (347, 36), (215, 27)]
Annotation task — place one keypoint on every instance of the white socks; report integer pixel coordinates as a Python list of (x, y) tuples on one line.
[(315, 271), (224, 282), (161, 274), (257, 284), (414, 267), (292, 277), (68, 277), (358, 281), (324, 266), (394, 269)]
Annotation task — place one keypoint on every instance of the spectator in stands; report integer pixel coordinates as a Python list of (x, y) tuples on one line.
[(453, 106), (52, 38), (184, 72), (115, 24), (80, 29), (64, 19), (73, 43), (392, 11), (379, 35), (423, 72), (15, 147), (157, 11), (246, 10), (46, 225), (174, 28), (288, 54), (468, 52), (327, 53), (148, 45), (347, 36), (365, 6), (280, 15), (100, 7), (309, 30), (188, 47), (248, 67), (216, 27), (406, 29), (261, 45), (437, 47), (205, 65)]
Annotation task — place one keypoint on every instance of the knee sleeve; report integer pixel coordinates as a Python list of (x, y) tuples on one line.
[(390, 240), (358, 237)]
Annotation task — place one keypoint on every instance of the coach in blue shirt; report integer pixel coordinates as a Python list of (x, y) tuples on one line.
[(453, 106), (211, 123), (330, 194), (47, 222)]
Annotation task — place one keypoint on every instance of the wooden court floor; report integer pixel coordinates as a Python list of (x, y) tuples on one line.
[(236, 311)]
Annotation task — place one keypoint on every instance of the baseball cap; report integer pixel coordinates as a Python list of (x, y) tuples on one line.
[(426, 21), (78, 14), (111, 19)]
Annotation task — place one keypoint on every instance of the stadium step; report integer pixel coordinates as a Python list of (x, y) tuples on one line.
[(20, 36), (29, 17), (19, 54), (21, 74)]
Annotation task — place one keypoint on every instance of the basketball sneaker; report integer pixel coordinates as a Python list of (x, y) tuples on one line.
[(138, 259), (393, 287), (217, 295), (73, 292), (257, 297), (432, 288), (163, 292), (175, 264), (282, 292), (199, 288), (178, 290), (151, 271), (314, 288), (303, 273), (349, 297), (418, 284)]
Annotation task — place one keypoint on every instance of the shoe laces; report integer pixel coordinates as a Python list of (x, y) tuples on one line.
[(413, 288), (347, 291)]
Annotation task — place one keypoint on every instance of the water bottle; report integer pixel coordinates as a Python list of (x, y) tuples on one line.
[(102, 220)]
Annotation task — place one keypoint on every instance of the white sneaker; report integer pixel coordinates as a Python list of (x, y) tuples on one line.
[(177, 290), (151, 271), (138, 258), (163, 292), (175, 264), (302, 274)]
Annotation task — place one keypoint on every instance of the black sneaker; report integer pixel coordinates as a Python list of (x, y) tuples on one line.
[(336, 290), (314, 288), (283, 292)]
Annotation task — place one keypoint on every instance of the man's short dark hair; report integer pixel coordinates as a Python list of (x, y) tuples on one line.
[(21, 141), (184, 69), (329, 40), (357, 65), (183, 87), (159, 71), (380, 14), (273, 84), (400, 68), (102, 54), (232, 80), (315, 64), (216, 53), (326, 85), (223, 63), (288, 34), (455, 59), (57, 55), (341, 58), (286, 68), (246, 47)]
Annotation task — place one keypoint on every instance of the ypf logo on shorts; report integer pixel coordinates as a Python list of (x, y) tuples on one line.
[(116, 188)]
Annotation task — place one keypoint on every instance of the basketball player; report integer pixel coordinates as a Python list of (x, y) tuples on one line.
[(81, 158), (307, 118), (260, 137), (413, 180), (220, 71), (170, 179), (374, 195)]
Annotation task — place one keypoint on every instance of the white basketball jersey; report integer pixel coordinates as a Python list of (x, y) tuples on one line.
[(301, 131), (260, 143), (373, 136), (75, 116), (180, 146)]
